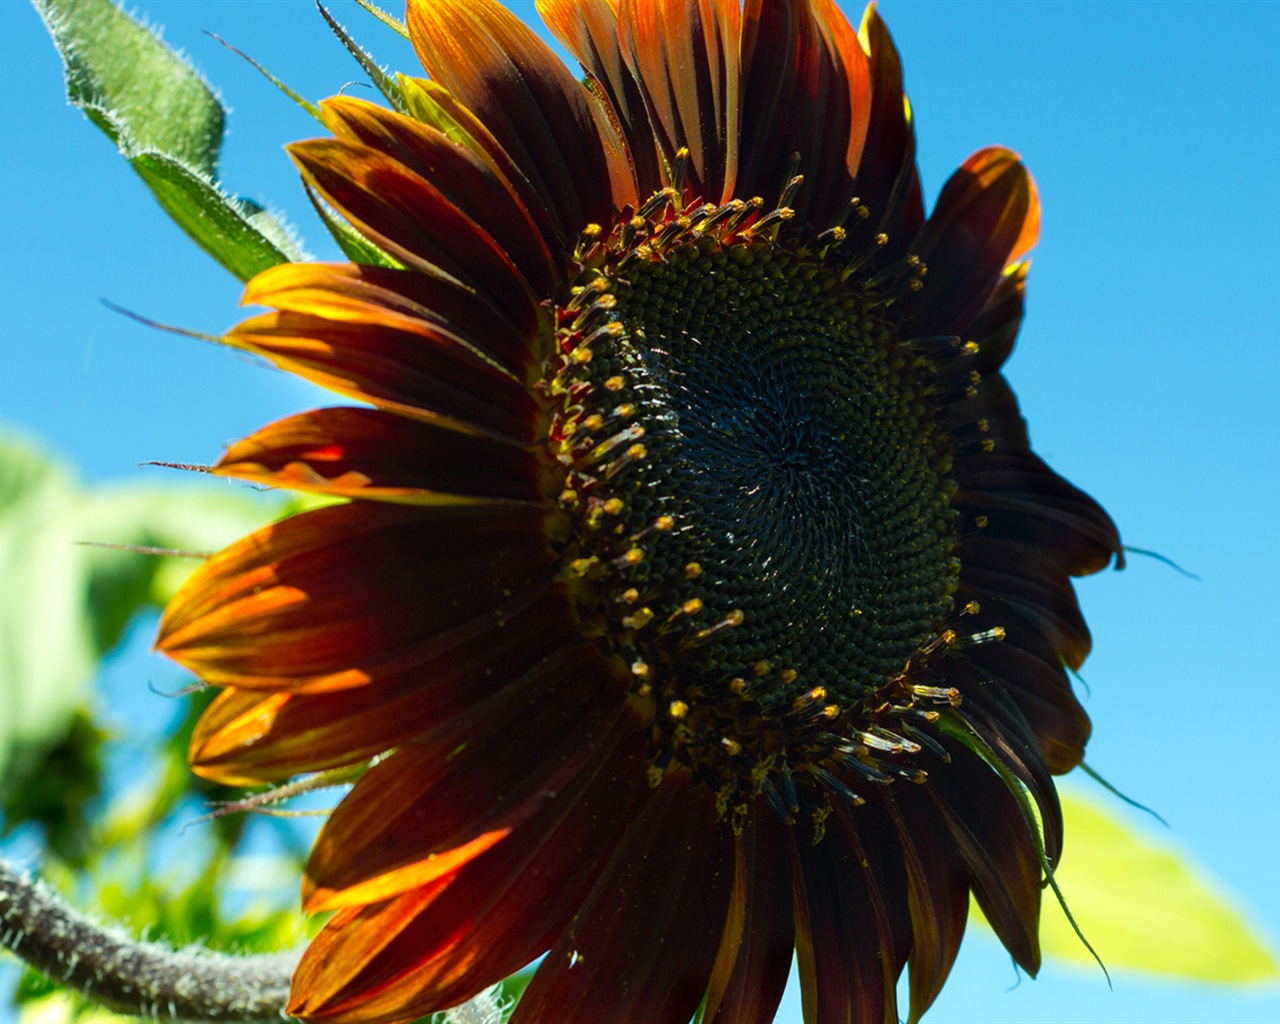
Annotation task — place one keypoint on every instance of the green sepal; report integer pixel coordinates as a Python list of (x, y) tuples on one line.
[(384, 83), (166, 121), (395, 24)]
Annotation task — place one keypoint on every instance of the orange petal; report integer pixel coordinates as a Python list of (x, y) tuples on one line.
[(987, 217), (320, 599), (250, 736), (684, 56), (406, 819), (540, 115), (589, 30), (806, 91), (462, 176), (400, 960), (410, 217)]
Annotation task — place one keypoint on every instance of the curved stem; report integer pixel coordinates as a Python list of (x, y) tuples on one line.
[(131, 976)]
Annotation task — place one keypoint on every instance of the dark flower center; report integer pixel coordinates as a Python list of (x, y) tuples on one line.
[(757, 508)]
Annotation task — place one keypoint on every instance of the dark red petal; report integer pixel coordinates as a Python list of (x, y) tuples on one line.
[(754, 959), (684, 56), (887, 180), (410, 217), (483, 773), (806, 91), (1034, 677), (996, 847), (1032, 583), (321, 600), (937, 892), (1021, 499), (401, 959), (987, 217), (462, 177), (367, 453), (247, 737), (589, 30), (641, 947), (538, 113), (847, 950)]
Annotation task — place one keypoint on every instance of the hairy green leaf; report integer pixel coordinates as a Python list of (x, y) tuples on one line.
[(166, 121)]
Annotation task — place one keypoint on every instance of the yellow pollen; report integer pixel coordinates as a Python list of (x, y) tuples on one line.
[(948, 637), (789, 675), (734, 618), (731, 747), (997, 633), (981, 522), (639, 620), (692, 606), (593, 422), (762, 668), (637, 223), (738, 685), (582, 566), (882, 239), (988, 445), (830, 712), (581, 355), (972, 608), (633, 557), (613, 506), (614, 329), (644, 689), (625, 411), (608, 302), (983, 426), (637, 451), (678, 709), (630, 596), (615, 383), (568, 497), (692, 571), (640, 670), (818, 693), (863, 211), (664, 523), (969, 348), (569, 429), (592, 230)]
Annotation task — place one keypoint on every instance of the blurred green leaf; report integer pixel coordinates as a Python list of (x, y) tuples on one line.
[(1145, 906), (47, 645), (67, 602), (167, 122)]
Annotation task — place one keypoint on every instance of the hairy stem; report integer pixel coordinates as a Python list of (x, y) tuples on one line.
[(134, 977)]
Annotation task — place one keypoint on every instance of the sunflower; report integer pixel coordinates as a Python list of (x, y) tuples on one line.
[(696, 597)]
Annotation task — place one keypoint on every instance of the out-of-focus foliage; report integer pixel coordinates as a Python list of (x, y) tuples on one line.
[(1144, 905), (67, 604)]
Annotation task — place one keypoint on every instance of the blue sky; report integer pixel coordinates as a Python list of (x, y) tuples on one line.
[(1149, 367)]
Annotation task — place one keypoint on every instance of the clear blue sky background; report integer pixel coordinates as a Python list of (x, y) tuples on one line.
[(1149, 366)]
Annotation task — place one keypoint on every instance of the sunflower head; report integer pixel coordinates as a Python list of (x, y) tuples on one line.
[(696, 599)]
